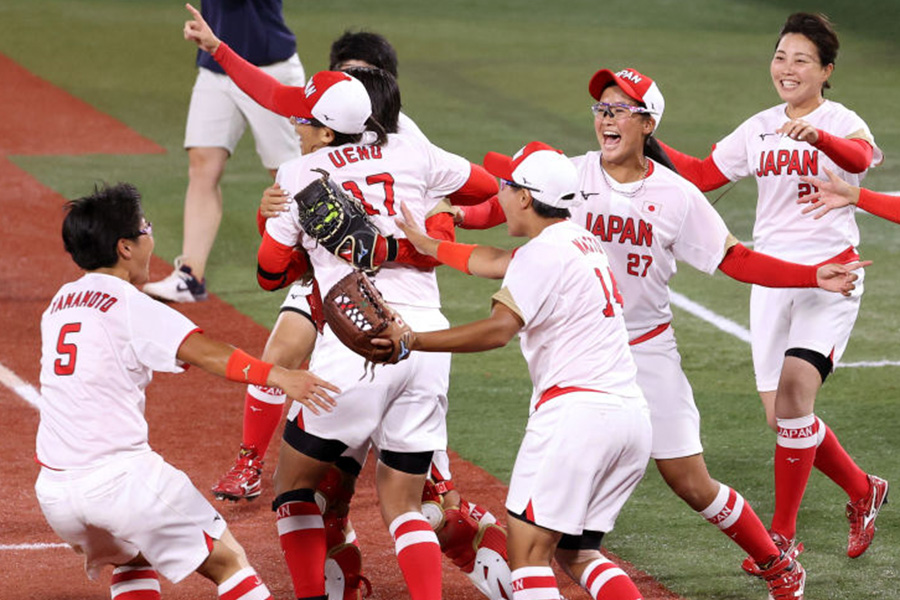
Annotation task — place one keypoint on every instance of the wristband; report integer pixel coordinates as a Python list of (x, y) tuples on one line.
[(456, 255), (244, 368)]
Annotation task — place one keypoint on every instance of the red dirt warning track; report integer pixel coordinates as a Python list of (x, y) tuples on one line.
[(195, 418)]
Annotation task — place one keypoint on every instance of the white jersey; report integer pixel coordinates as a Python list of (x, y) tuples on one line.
[(407, 169), (560, 285), (101, 341), (645, 226), (777, 162)]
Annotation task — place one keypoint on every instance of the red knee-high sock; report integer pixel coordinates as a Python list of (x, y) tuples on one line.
[(134, 583), (301, 532), (244, 585), (836, 464), (606, 581), (534, 583), (795, 452), (419, 555), (737, 519), (262, 414)]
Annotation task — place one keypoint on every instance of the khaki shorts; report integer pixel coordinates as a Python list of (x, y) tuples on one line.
[(220, 112)]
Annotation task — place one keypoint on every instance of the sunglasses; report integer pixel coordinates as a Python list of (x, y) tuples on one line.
[(506, 182), (295, 121), (618, 110), (147, 229)]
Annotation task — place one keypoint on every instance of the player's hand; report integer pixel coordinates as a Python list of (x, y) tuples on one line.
[(835, 277), (395, 348), (831, 194), (800, 130), (459, 215), (417, 237), (198, 31), (304, 387), (274, 201)]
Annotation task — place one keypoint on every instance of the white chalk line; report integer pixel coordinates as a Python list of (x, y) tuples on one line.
[(39, 546), (742, 333)]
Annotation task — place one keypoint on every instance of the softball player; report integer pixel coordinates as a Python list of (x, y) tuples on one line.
[(588, 436), (647, 217), (101, 487), (799, 335), (467, 533)]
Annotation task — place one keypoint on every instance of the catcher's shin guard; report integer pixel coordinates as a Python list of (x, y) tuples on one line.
[(478, 550), (343, 577)]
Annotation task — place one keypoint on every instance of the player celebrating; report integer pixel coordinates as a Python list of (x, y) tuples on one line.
[(588, 437), (101, 341), (467, 533), (647, 218), (799, 335)]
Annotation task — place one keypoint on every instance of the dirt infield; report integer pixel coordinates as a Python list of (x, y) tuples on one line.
[(195, 418)]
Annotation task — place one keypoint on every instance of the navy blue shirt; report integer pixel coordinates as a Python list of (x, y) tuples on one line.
[(255, 29)]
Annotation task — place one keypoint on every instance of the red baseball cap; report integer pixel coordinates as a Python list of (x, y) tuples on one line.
[(542, 169), (335, 99), (638, 87)]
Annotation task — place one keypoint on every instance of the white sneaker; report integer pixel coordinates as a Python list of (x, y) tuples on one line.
[(179, 286)]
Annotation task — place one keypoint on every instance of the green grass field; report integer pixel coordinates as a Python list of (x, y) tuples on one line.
[(481, 76)]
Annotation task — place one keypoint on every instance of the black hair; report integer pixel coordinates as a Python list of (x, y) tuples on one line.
[(818, 29), (384, 94), (549, 212), (366, 46), (94, 224)]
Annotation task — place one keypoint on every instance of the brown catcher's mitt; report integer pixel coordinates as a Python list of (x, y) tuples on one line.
[(357, 313)]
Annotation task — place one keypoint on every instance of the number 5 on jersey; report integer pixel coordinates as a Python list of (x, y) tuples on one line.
[(66, 350)]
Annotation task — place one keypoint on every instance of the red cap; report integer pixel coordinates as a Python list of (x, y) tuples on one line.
[(638, 87)]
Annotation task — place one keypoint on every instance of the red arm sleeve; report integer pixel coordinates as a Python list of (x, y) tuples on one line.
[(440, 227), (745, 265), (267, 91), (480, 186), (278, 265), (702, 173), (881, 205), (853, 155), (483, 216)]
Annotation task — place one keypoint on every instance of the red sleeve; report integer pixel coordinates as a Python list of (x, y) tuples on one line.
[(702, 173), (483, 216), (278, 265), (440, 227), (480, 186), (267, 91), (745, 265), (852, 155), (880, 205)]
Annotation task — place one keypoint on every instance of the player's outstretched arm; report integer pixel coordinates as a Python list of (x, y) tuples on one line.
[(839, 278), (494, 332), (831, 194), (483, 261), (234, 364), (198, 31)]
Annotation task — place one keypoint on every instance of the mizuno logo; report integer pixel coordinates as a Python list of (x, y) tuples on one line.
[(792, 459), (362, 252), (182, 287), (255, 409), (585, 195), (246, 371), (762, 136)]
